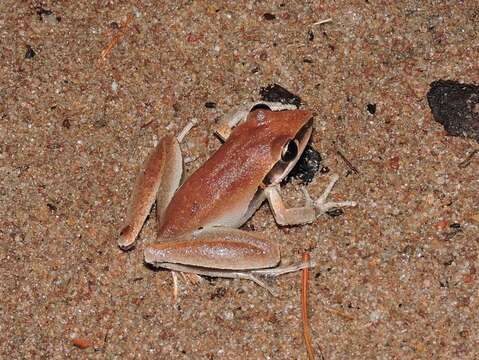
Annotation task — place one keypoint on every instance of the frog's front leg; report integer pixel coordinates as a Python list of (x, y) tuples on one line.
[(288, 216), (307, 213), (322, 205)]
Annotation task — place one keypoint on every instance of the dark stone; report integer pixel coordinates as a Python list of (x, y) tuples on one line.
[(210, 105), (308, 165), (66, 123), (456, 106), (335, 212), (43, 12), (269, 16), (30, 53), (51, 207), (324, 170), (277, 93)]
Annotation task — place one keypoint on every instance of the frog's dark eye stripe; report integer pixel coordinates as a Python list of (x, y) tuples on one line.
[(290, 151), (260, 106)]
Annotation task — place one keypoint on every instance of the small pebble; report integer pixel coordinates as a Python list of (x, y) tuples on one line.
[(371, 108), (136, 12), (81, 343), (269, 16), (228, 315), (277, 93), (30, 53), (306, 168), (210, 105), (375, 315)]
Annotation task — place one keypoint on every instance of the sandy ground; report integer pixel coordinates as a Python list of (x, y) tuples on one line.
[(396, 277)]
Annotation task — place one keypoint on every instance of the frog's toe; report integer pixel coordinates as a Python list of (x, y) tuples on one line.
[(322, 205)]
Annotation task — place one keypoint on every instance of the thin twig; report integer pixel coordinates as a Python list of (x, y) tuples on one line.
[(144, 126), (117, 38), (174, 274), (340, 313), (348, 163), (468, 159), (320, 22), (304, 310)]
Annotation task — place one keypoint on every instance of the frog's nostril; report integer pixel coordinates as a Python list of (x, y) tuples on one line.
[(260, 116)]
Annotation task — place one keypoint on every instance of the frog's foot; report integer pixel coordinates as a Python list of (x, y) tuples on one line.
[(281, 270), (261, 277), (322, 205), (191, 278), (190, 125)]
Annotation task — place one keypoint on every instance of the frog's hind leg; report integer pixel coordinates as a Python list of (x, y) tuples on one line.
[(216, 248), (158, 179), (221, 252), (260, 277), (181, 135)]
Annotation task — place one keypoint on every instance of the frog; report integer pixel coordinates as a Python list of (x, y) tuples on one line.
[(199, 219)]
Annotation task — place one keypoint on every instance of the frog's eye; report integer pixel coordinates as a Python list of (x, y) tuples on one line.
[(290, 151), (260, 106)]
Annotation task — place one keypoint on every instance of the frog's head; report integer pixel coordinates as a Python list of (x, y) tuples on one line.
[(282, 135)]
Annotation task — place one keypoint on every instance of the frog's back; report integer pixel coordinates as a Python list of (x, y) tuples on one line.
[(220, 191), (226, 189)]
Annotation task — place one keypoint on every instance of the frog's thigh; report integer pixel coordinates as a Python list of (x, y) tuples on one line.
[(291, 216), (217, 248), (159, 178)]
